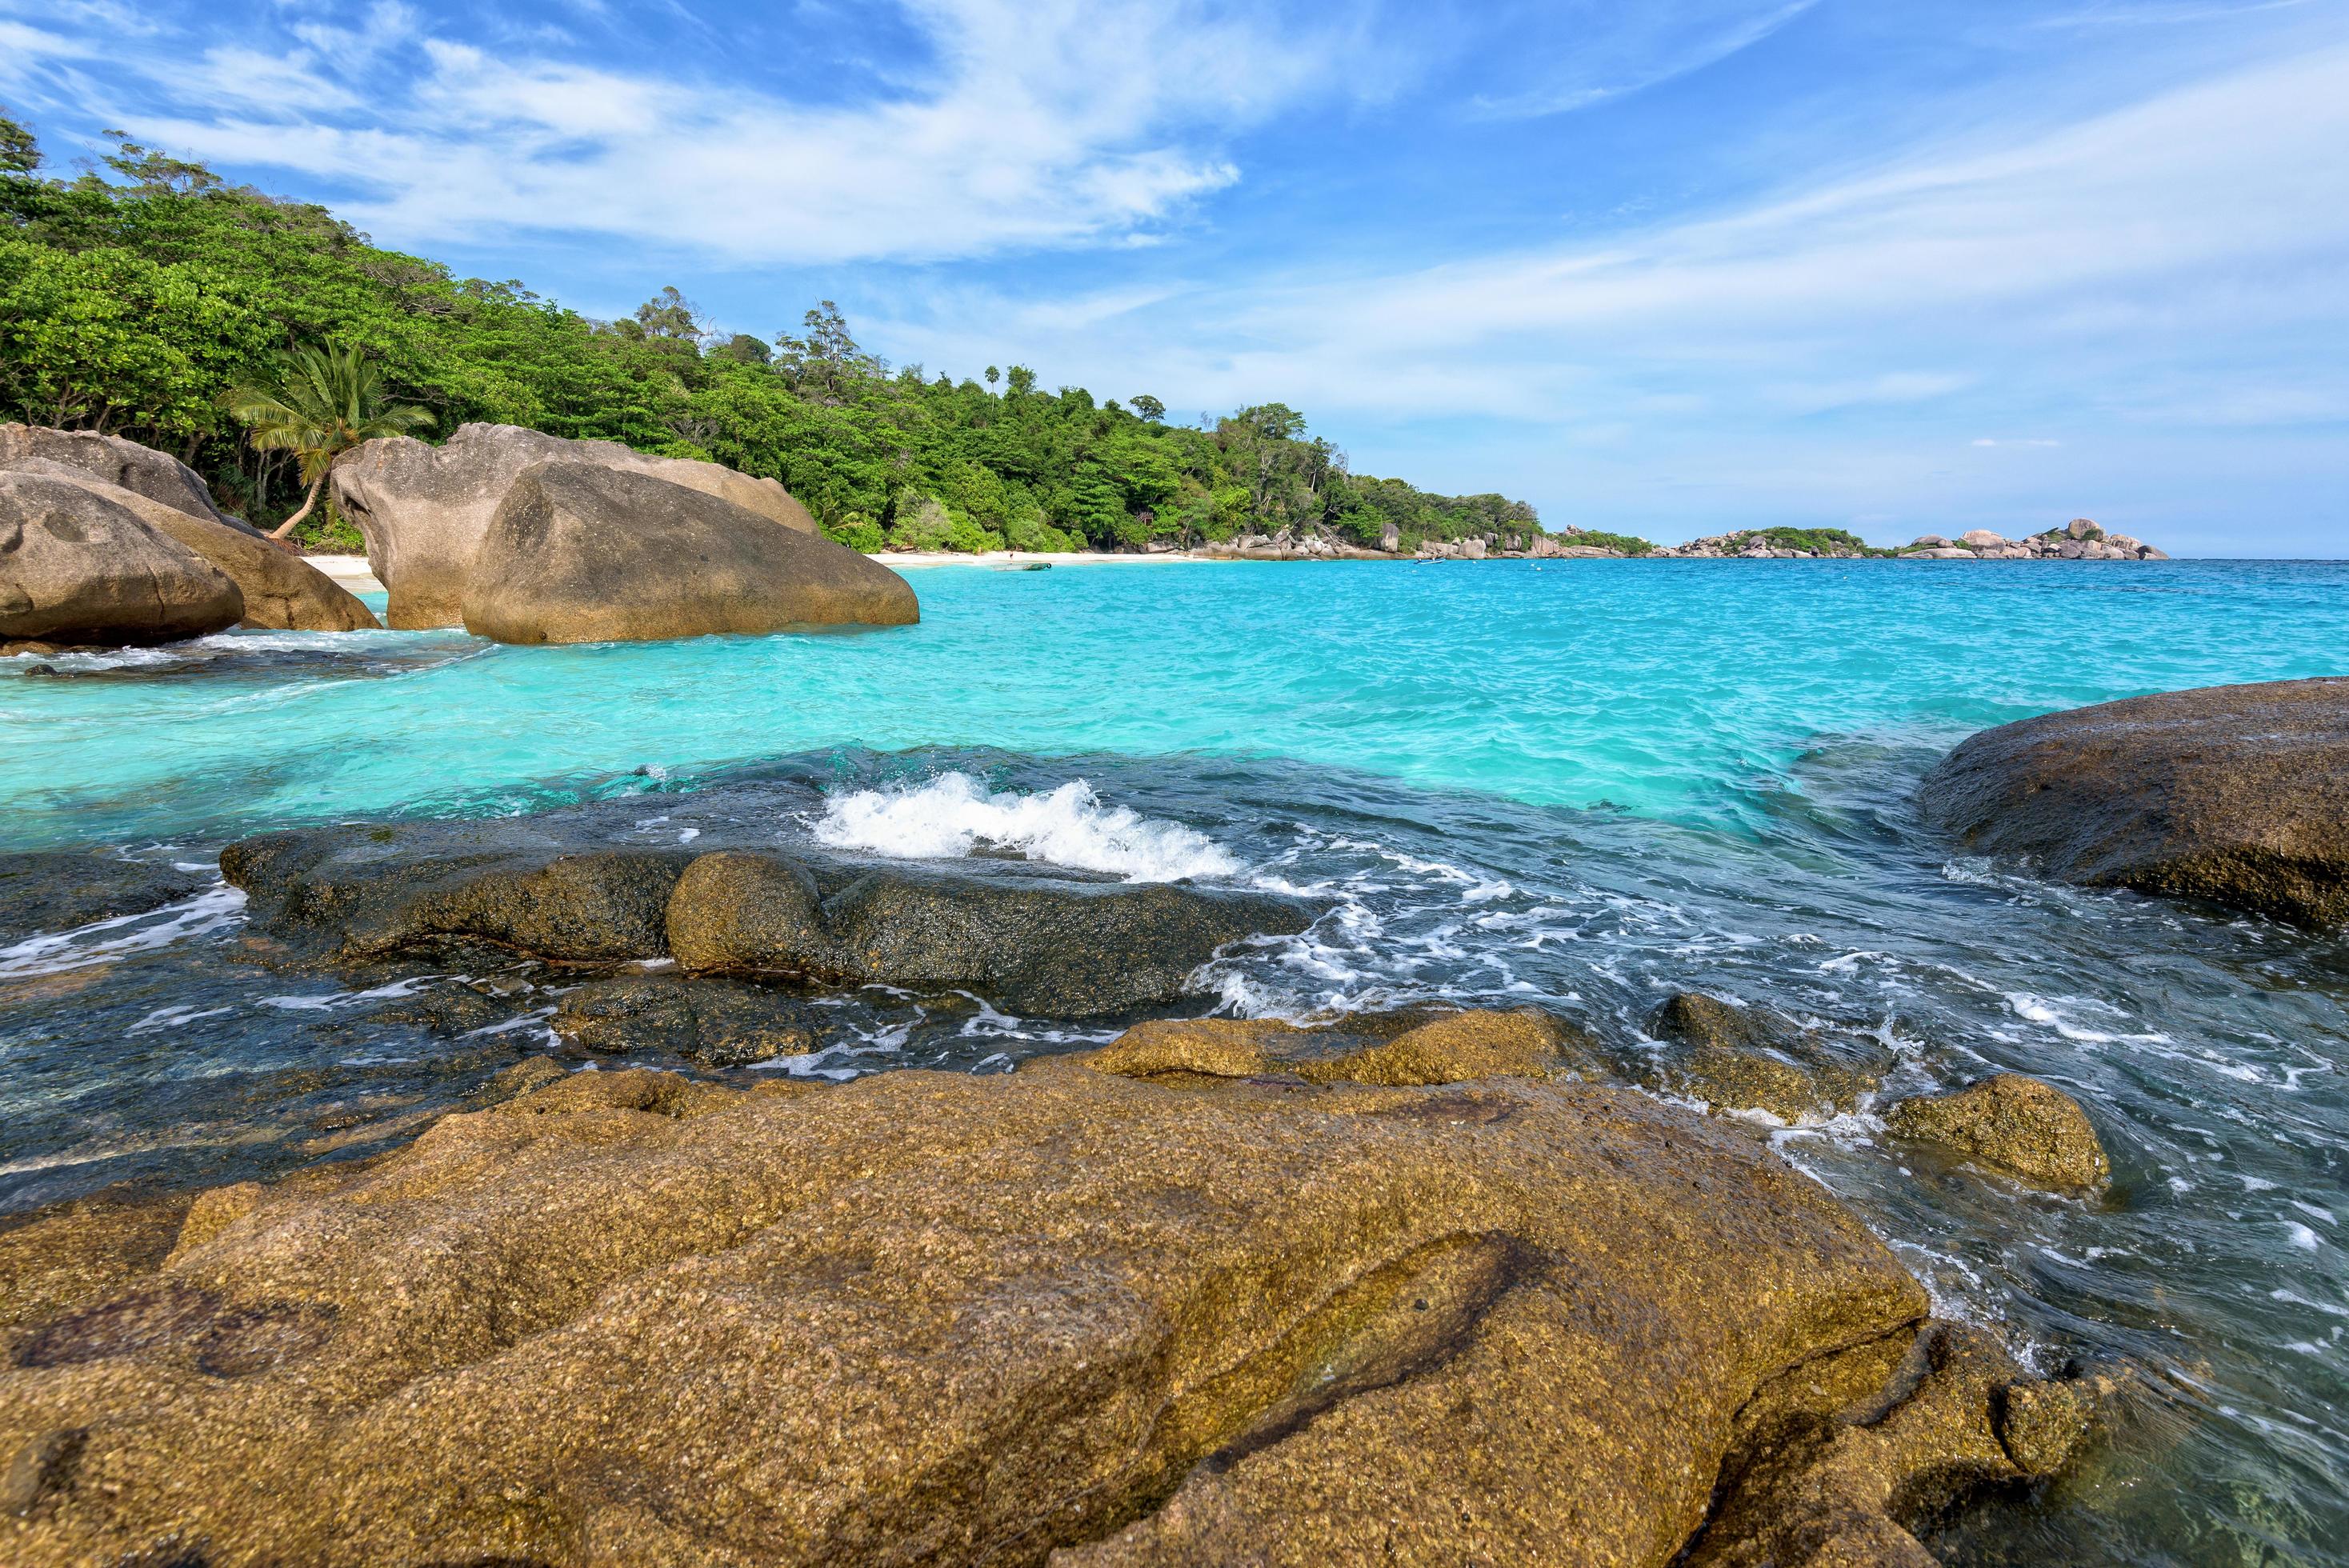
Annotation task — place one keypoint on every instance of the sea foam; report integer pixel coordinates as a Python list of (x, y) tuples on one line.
[(954, 813)]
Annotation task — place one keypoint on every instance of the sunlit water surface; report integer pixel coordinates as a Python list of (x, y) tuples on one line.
[(1579, 785)]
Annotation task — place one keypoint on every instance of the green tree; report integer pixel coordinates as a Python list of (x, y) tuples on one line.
[(20, 153), (1022, 380), (670, 314), (330, 400), (993, 376), (1148, 408)]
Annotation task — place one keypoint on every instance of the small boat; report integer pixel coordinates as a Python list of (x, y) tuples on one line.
[(1028, 566)]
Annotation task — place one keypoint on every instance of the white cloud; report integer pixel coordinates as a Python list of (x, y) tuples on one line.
[(1624, 50), (1035, 124)]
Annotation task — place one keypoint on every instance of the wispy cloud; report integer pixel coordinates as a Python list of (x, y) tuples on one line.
[(1035, 124), (1636, 48)]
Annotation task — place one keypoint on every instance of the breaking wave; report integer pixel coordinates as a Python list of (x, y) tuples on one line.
[(954, 814)]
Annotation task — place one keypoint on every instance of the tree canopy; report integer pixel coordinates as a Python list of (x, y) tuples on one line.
[(131, 299)]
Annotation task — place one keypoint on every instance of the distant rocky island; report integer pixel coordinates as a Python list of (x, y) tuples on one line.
[(2079, 540)]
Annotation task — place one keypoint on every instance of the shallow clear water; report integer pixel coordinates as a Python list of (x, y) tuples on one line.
[(1579, 785)]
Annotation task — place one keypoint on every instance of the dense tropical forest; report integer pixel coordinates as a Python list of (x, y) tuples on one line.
[(138, 297)]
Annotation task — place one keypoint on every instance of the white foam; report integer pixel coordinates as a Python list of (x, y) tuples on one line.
[(953, 814), (104, 940)]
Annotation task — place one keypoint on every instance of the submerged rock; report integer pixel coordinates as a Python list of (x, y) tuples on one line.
[(577, 553), (1036, 940), (1735, 1057), (2236, 794), (79, 570), (940, 1318), (282, 590), (722, 1023), (425, 510), (2015, 1123), (48, 891)]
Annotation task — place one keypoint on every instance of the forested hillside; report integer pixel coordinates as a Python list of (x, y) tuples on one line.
[(131, 300)]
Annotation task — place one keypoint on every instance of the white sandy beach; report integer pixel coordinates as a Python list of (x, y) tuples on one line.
[(353, 573)]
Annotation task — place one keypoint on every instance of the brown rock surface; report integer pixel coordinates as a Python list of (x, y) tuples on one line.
[(1398, 1048), (76, 568), (425, 510), (722, 1023), (1735, 1057), (582, 554), (2236, 794), (2015, 1123), (928, 1318), (281, 590)]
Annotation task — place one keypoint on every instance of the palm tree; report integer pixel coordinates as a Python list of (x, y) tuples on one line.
[(330, 400)]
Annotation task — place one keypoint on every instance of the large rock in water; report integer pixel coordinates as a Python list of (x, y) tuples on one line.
[(76, 568), (583, 553), (425, 508), (50, 890), (1064, 1314), (1036, 940), (2236, 794), (1051, 945), (115, 460), (282, 590)]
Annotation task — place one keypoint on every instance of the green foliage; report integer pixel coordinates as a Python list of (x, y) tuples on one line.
[(130, 301), (329, 400), (1819, 541), (1628, 544)]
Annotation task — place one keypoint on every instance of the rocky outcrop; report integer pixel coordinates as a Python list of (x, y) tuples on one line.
[(2016, 1124), (2079, 540), (282, 590), (58, 890), (424, 510), (579, 552), (1042, 943), (2235, 794), (77, 570), (1740, 1059), (115, 460), (1064, 1314), (1034, 939)]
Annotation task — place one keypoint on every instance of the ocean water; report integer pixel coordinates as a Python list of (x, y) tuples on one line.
[(1576, 785)]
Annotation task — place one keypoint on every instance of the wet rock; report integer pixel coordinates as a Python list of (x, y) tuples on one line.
[(351, 893), (115, 461), (1735, 1057), (953, 1319), (77, 569), (1835, 1462), (1035, 939), (2235, 794), (425, 510), (581, 553), (2042, 1424), (1047, 944), (2017, 1124), (282, 590), (718, 1022), (1413, 1047), (58, 890)]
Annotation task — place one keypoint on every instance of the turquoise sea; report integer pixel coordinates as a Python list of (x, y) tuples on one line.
[(1579, 785)]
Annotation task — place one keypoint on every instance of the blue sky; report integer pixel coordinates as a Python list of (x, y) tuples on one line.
[(1672, 267)]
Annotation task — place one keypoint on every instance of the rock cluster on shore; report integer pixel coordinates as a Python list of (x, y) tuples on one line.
[(475, 529), (2079, 540), (104, 542), (1266, 1296)]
